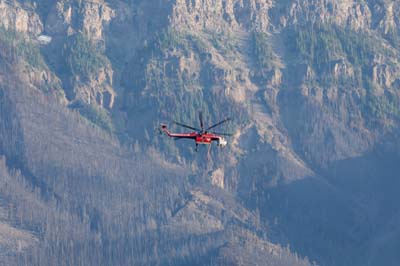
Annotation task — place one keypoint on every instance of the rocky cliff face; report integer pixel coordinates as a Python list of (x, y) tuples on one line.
[(67, 17), (20, 17), (313, 87), (221, 15)]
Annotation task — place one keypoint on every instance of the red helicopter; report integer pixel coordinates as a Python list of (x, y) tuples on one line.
[(200, 135)]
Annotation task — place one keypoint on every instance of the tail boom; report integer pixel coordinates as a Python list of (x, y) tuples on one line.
[(177, 135)]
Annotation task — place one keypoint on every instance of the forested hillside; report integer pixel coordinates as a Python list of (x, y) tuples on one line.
[(310, 175)]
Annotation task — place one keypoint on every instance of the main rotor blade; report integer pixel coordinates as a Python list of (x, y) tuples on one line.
[(201, 121), (219, 123), (223, 134), (186, 126)]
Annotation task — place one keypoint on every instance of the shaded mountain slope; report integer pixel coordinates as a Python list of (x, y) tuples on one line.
[(75, 195)]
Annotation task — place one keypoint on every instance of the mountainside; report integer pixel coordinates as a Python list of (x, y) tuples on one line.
[(309, 176)]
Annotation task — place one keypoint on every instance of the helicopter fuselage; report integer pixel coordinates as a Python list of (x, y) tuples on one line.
[(199, 138)]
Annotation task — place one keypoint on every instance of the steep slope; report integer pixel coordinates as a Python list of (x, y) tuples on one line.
[(314, 90), (95, 201), (92, 194)]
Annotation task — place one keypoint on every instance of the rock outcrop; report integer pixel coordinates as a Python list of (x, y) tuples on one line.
[(20, 17), (69, 16), (221, 15), (97, 90)]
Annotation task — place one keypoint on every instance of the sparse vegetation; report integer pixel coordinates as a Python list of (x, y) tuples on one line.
[(393, 37), (263, 52), (382, 107), (169, 39), (198, 43), (81, 57), (95, 114), (320, 44), (222, 41), (14, 45)]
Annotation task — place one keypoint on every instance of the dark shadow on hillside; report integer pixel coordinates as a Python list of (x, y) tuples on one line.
[(336, 219)]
